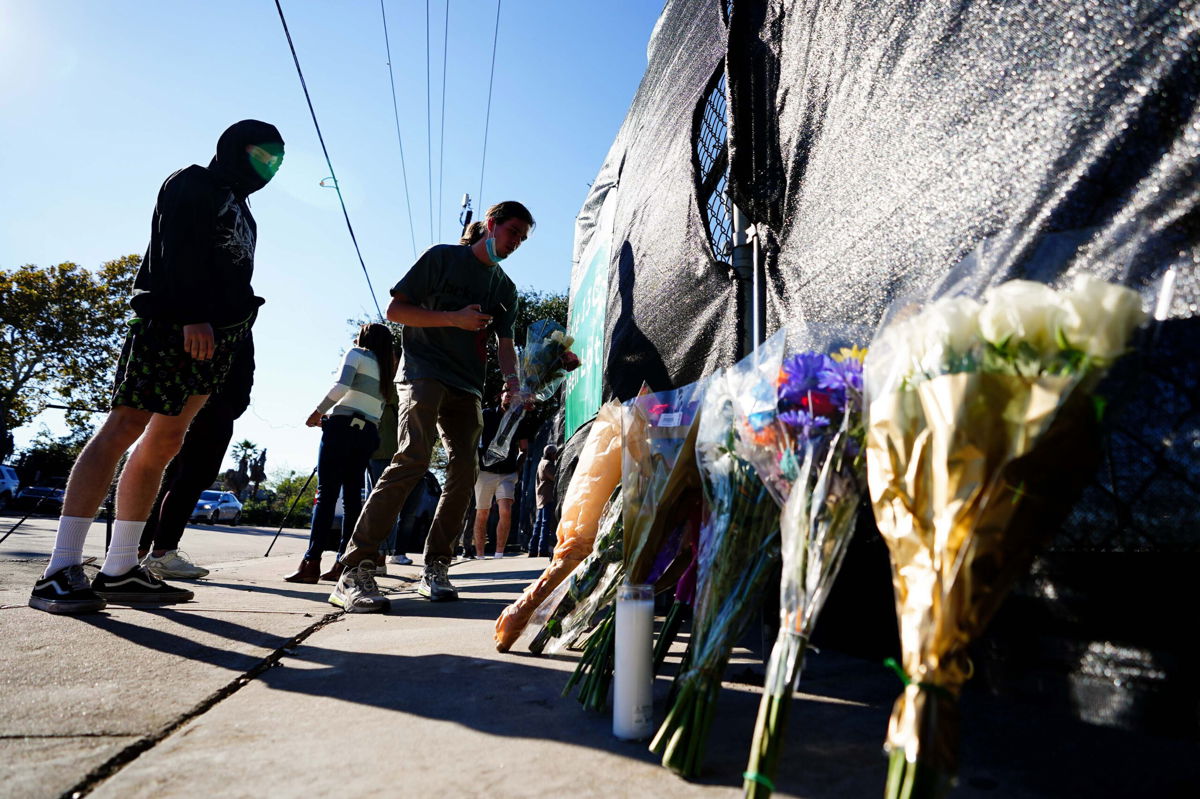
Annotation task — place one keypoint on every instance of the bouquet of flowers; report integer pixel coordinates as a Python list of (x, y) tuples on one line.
[(822, 472), (545, 361), (658, 435), (595, 477), (568, 612), (979, 437), (738, 548)]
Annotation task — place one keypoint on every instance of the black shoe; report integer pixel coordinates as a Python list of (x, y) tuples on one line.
[(65, 591), (435, 584), (138, 586)]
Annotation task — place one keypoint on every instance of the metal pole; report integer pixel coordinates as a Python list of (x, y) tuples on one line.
[(745, 264), (289, 513)]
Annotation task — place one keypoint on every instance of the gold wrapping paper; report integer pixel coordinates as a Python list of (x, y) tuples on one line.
[(968, 474), (595, 477)]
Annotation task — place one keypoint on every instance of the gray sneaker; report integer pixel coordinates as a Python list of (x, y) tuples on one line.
[(357, 592), (174, 563), (435, 583)]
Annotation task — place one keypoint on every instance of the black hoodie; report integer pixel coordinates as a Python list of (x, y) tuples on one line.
[(201, 255)]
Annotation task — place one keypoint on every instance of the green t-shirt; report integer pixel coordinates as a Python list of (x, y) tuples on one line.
[(448, 277)]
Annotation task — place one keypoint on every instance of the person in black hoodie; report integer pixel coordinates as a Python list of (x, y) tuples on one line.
[(194, 307)]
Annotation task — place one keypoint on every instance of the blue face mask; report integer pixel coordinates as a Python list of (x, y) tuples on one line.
[(491, 251)]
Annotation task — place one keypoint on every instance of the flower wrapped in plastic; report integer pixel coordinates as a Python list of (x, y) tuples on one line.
[(820, 401), (595, 477), (658, 435), (569, 610), (980, 435), (738, 549), (545, 360)]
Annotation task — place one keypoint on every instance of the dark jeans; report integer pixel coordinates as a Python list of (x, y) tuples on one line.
[(191, 471), (544, 533), (346, 446)]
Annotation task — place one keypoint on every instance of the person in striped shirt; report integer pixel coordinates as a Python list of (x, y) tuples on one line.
[(349, 420)]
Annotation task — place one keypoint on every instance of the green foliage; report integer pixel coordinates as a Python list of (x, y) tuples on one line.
[(282, 488), (60, 330), (244, 449), (48, 460)]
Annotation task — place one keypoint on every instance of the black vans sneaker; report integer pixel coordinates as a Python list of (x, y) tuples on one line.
[(65, 591), (138, 586)]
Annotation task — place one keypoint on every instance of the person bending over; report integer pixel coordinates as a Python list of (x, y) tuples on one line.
[(451, 302)]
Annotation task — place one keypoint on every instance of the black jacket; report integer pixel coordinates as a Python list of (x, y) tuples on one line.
[(201, 255)]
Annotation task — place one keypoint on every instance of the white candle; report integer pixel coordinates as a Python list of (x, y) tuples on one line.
[(633, 667)]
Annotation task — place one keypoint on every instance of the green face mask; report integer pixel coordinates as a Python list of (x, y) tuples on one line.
[(266, 160)]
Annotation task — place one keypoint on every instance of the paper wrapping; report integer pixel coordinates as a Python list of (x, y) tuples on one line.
[(969, 474), (595, 477)]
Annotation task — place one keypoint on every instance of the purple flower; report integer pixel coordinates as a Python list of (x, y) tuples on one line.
[(803, 423), (841, 379), (800, 375)]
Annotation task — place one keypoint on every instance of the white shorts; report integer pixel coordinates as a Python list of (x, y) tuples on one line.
[(490, 484)]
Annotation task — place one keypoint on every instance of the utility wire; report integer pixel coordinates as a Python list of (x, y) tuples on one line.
[(328, 162), (488, 117), (442, 134), (428, 125), (396, 113)]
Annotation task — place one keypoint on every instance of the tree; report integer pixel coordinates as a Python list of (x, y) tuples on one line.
[(49, 460), (60, 328), (239, 478)]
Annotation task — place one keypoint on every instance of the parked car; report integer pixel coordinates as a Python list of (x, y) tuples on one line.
[(9, 483), (217, 506), (40, 499)]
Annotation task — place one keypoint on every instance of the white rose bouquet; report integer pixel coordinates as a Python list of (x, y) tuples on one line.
[(979, 438)]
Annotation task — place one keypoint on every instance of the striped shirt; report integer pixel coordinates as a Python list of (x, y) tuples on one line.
[(357, 388)]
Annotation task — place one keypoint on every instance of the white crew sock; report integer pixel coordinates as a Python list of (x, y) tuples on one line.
[(122, 550), (68, 544)]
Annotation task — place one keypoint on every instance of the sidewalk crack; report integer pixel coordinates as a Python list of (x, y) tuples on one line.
[(144, 744)]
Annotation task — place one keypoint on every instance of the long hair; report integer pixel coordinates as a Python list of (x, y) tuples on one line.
[(501, 212), (474, 232), (378, 339)]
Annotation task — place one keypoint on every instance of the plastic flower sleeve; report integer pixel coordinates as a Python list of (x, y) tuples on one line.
[(541, 369), (655, 430), (556, 621), (738, 546), (597, 474), (815, 529)]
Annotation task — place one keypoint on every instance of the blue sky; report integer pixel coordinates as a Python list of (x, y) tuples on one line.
[(100, 101)]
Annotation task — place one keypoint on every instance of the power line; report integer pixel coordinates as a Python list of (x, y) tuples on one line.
[(488, 117), (428, 125), (328, 162), (442, 134), (396, 113)]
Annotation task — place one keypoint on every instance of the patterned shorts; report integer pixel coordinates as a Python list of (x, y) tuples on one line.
[(155, 374)]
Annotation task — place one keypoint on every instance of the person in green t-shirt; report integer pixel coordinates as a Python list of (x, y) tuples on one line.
[(452, 301)]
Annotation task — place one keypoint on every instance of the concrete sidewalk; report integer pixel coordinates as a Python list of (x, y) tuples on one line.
[(259, 688)]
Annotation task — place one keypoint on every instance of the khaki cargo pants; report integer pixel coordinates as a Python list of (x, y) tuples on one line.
[(426, 408)]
